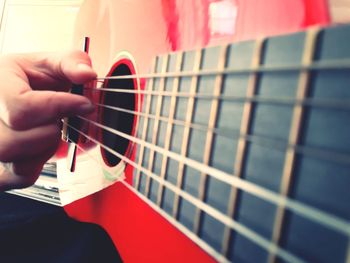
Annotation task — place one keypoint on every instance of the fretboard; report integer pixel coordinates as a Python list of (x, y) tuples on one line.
[(246, 147)]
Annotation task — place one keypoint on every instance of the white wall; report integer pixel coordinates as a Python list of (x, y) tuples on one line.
[(340, 10), (37, 25)]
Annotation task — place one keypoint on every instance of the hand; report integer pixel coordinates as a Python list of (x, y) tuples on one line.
[(33, 100)]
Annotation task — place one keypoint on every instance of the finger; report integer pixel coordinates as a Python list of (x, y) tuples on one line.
[(22, 145), (55, 71), (35, 108), (27, 171), (21, 174), (76, 67)]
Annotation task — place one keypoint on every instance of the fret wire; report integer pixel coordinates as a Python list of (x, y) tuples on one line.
[(336, 64), (170, 124), (145, 126), (260, 140), (197, 240), (186, 132), (317, 103), (242, 141), (314, 214), (224, 219), (211, 251), (155, 131), (203, 184), (295, 133)]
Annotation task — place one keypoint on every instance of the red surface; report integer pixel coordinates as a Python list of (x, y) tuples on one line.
[(132, 232), (316, 12), (148, 28)]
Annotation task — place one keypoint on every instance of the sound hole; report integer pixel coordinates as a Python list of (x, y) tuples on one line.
[(115, 119)]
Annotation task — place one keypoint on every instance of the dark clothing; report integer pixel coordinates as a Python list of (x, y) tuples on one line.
[(31, 231)]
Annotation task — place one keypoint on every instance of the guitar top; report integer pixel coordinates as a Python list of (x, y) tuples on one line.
[(221, 131)]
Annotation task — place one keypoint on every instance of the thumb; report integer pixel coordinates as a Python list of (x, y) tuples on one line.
[(56, 71), (76, 67), (35, 108)]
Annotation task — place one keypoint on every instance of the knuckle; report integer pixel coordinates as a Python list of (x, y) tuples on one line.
[(16, 120), (6, 146), (53, 108), (53, 133), (16, 115), (48, 141), (3, 155)]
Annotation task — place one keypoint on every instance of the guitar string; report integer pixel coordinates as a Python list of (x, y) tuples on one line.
[(315, 103), (272, 143), (224, 219), (158, 209), (200, 242), (305, 210), (336, 64), (161, 76)]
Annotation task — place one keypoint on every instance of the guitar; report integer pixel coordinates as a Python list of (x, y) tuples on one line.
[(201, 150)]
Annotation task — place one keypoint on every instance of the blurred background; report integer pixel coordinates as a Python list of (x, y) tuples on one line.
[(37, 25), (48, 25)]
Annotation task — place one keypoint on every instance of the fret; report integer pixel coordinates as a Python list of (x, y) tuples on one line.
[(316, 103), (251, 235), (323, 183), (163, 67), (295, 132), (186, 131), (147, 106), (331, 65), (315, 215), (263, 164), (242, 142), (209, 136), (333, 156), (216, 255), (169, 129)]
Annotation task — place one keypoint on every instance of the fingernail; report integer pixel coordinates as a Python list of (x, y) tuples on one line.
[(86, 108)]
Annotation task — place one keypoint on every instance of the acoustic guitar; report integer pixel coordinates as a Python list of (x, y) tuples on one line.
[(221, 131)]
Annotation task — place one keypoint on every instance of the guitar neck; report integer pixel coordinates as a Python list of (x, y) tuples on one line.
[(245, 147)]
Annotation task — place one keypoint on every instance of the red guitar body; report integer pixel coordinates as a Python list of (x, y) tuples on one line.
[(148, 28)]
